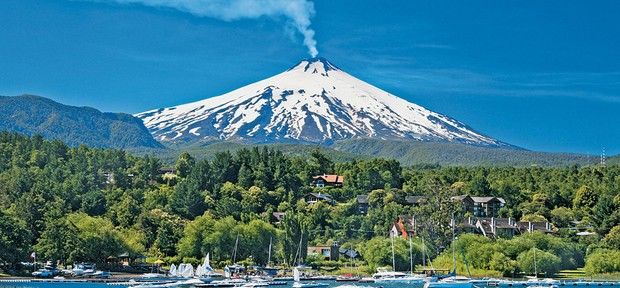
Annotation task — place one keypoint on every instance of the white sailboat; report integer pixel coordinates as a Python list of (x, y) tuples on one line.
[(452, 281), (385, 276), (173, 271), (299, 284)]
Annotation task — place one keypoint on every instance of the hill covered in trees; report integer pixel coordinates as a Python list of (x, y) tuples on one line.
[(454, 154), (408, 153), (32, 115), (86, 204)]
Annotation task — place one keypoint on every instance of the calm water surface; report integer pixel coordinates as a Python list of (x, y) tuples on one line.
[(101, 285)]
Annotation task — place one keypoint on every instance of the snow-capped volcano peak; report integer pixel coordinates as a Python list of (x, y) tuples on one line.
[(317, 65), (314, 101)]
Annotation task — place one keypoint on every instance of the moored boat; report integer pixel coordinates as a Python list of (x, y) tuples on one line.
[(299, 284)]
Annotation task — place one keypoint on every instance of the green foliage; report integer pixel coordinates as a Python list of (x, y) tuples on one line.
[(14, 239), (562, 216), (514, 255), (97, 239), (603, 261), (75, 126), (83, 204), (612, 239), (536, 260), (585, 199), (378, 253), (184, 164), (502, 263)]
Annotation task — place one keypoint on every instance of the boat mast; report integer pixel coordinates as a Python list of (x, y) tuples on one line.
[(535, 268), (410, 255), (269, 257), (351, 258), (423, 254), (298, 250), (453, 244), (393, 259), (235, 251)]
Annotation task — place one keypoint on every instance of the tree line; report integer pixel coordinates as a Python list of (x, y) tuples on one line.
[(73, 204)]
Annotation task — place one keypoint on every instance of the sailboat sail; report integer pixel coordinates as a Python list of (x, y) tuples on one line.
[(173, 270), (206, 265), (227, 273), (296, 275)]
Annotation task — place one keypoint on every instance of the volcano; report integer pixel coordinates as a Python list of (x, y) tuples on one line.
[(312, 102)]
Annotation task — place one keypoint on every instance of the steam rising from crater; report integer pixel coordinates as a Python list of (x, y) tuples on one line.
[(298, 12)]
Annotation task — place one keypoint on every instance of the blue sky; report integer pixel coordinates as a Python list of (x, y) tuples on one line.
[(544, 75)]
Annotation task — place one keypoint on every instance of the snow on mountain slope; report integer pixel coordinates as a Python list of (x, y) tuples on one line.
[(313, 102)]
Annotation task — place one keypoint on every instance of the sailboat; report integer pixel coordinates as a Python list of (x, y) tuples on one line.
[(205, 272), (173, 271), (268, 269), (235, 267), (297, 274), (385, 276), (452, 281), (349, 277), (535, 282), (299, 284)]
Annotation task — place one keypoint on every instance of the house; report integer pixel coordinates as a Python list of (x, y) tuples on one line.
[(327, 180), (404, 226), (497, 227), (468, 225), (508, 227), (348, 253), (481, 206), (362, 204), (329, 252), (319, 197), (490, 227), (415, 200), (528, 227)]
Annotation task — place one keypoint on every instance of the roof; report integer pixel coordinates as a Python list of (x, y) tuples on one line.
[(407, 221), (468, 222), (323, 196), (278, 215), (330, 178), (460, 197), (479, 199), (536, 226), (486, 199), (362, 199), (415, 199)]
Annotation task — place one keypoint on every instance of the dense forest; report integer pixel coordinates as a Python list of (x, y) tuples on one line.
[(86, 204)]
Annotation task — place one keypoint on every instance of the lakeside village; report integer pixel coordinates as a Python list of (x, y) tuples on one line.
[(260, 217)]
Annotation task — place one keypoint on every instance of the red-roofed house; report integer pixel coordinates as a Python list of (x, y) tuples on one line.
[(327, 180)]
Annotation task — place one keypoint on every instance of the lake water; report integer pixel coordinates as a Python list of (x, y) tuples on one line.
[(102, 285), (330, 283)]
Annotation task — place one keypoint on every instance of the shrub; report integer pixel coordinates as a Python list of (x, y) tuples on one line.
[(603, 261), (544, 262)]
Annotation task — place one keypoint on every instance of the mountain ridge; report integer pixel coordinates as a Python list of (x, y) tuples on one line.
[(312, 102), (409, 153), (31, 114)]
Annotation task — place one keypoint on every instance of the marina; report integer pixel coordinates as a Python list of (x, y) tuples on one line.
[(140, 282)]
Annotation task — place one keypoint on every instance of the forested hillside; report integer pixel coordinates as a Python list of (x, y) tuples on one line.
[(32, 115), (408, 153), (454, 154), (84, 204)]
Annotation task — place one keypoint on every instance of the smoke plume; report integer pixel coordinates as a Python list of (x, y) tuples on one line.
[(298, 12)]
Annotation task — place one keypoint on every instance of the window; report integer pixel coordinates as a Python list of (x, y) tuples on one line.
[(320, 183)]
